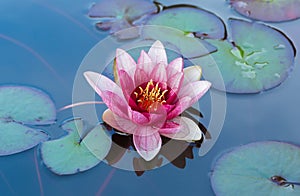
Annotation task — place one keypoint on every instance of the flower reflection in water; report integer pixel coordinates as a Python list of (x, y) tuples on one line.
[(174, 151)]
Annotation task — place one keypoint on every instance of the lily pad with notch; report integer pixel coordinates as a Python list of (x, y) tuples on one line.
[(15, 137), (251, 62), (78, 150), (182, 26), (22, 106), (260, 168), (268, 10)]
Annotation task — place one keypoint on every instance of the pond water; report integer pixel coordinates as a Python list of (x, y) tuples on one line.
[(42, 44)]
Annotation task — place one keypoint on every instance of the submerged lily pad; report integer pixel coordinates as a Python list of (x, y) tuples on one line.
[(117, 15), (27, 105), (268, 10), (21, 105), (15, 137), (182, 26), (74, 153), (261, 168), (254, 61)]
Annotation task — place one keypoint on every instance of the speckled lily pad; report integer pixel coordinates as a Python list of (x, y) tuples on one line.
[(74, 153), (182, 26), (117, 15), (260, 168), (27, 105), (268, 10), (21, 106), (15, 137), (254, 61)]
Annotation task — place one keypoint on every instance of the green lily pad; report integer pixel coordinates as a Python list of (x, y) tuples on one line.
[(21, 106), (261, 168), (26, 105), (190, 20), (189, 47), (253, 62), (15, 137), (268, 10), (182, 25), (74, 153)]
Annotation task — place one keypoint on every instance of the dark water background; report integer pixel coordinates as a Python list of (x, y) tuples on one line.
[(42, 43)]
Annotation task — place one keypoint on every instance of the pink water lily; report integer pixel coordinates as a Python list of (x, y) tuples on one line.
[(148, 98)]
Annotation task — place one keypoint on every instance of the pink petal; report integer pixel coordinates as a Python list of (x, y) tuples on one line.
[(147, 146), (126, 83), (140, 77), (118, 122), (170, 127), (188, 95), (180, 106), (172, 97), (157, 115), (175, 67), (125, 62), (110, 93), (159, 73), (158, 54), (192, 74), (139, 118), (175, 82), (195, 90), (145, 63), (187, 130), (169, 107)]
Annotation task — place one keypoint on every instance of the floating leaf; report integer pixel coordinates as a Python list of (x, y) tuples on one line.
[(189, 47), (72, 153), (27, 105), (254, 62), (23, 105), (15, 137), (190, 20), (260, 168), (182, 26), (268, 10), (117, 15)]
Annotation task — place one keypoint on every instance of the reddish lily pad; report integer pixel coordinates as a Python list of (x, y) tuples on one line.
[(268, 10), (117, 15), (182, 25), (21, 106), (253, 62), (74, 152), (261, 168)]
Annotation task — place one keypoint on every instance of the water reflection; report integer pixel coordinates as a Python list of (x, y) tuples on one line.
[(175, 152)]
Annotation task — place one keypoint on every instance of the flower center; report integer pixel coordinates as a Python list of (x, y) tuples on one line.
[(150, 94)]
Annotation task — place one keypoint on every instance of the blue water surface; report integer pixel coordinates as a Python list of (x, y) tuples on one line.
[(42, 44)]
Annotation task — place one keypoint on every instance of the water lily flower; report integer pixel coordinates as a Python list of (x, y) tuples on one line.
[(148, 98)]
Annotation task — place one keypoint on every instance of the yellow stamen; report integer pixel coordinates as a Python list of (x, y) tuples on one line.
[(150, 95)]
